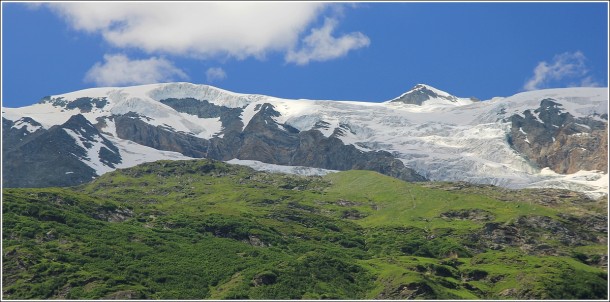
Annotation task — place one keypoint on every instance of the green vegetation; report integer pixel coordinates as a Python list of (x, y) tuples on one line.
[(207, 230)]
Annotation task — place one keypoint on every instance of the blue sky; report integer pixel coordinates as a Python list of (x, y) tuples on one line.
[(363, 51)]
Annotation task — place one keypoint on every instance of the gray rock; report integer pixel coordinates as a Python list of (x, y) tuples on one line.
[(550, 137), (131, 127), (419, 94), (52, 157), (263, 139)]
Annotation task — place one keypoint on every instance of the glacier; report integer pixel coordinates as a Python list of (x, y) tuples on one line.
[(443, 139)]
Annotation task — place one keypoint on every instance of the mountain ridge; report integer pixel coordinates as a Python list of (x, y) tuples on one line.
[(475, 141), (426, 95)]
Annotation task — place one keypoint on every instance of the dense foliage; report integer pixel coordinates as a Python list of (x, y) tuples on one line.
[(208, 230)]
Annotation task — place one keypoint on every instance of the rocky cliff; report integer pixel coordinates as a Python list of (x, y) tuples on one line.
[(551, 137)]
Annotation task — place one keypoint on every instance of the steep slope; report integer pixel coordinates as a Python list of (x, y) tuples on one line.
[(425, 95), (423, 134), (14, 132), (551, 137), (201, 229), (68, 154)]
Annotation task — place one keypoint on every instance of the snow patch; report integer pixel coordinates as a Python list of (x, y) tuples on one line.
[(110, 127), (45, 114), (133, 154), (580, 134), (211, 94), (593, 183), (92, 159), (21, 123), (297, 170), (248, 113)]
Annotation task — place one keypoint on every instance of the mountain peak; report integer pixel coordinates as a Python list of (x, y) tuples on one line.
[(429, 89), (422, 93)]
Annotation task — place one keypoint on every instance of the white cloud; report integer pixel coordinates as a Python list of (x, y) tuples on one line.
[(118, 70), (320, 45), (195, 29), (567, 66), (215, 74)]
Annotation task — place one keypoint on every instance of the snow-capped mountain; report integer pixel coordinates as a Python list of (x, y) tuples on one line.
[(545, 138), (423, 94)]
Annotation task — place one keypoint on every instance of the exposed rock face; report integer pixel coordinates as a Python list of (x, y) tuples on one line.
[(265, 278), (86, 104), (596, 223), (229, 117), (87, 135), (266, 140), (263, 139), (411, 291), (549, 137), (130, 126), (421, 93), (51, 157), (338, 135), (13, 133), (530, 232), (468, 214), (316, 150), (114, 215), (123, 295)]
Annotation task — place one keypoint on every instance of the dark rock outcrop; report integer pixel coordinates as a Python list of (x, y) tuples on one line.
[(86, 104), (550, 137), (410, 291), (52, 157), (468, 214), (419, 94), (529, 233), (266, 140), (229, 117), (262, 139), (16, 132), (131, 127), (58, 155)]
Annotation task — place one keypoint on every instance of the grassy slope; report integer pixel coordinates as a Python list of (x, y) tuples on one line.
[(200, 229)]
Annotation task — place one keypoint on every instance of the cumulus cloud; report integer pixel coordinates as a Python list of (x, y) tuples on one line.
[(214, 29), (566, 67), (118, 70), (195, 29), (320, 45), (215, 74)]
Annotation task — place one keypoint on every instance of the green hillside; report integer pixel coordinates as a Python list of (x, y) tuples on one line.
[(207, 230)]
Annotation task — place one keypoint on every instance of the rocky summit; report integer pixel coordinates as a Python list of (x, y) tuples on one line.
[(555, 138)]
